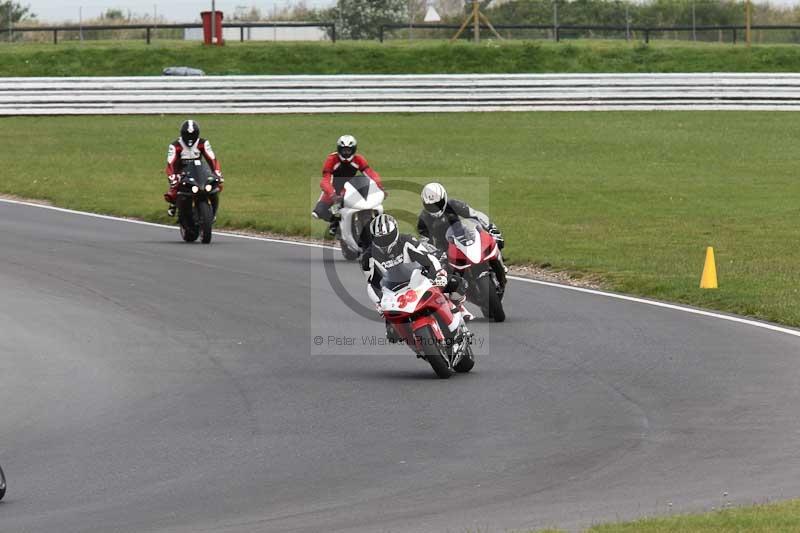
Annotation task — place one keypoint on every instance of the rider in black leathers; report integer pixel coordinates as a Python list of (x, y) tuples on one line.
[(439, 213), (390, 248)]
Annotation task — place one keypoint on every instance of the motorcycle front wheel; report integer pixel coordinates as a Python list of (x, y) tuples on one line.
[(491, 305), (348, 253), (189, 234), (189, 230), (205, 217), (432, 349)]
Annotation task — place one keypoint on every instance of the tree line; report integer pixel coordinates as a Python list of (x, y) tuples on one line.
[(361, 19), (18, 13)]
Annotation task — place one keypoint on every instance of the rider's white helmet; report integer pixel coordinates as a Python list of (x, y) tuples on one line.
[(384, 231), (434, 199), (346, 147)]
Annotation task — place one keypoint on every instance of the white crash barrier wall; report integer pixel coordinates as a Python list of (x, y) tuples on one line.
[(378, 93)]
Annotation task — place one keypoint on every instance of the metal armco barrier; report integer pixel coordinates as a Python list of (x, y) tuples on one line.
[(436, 93)]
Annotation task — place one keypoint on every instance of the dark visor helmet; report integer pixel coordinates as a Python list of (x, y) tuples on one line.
[(190, 133), (434, 199), (346, 147), (384, 231)]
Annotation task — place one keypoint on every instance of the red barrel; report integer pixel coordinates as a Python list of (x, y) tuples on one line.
[(207, 27)]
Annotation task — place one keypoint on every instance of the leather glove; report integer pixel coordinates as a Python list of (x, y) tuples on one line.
[(219, 175), (441, 279), (173, 179), (494, 231), (491, 228)]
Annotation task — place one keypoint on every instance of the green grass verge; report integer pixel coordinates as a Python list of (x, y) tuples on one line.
[(634, 197), (134, 58), (776, 518)]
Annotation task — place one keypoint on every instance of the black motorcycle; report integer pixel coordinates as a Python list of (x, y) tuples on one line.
[(198, 200)]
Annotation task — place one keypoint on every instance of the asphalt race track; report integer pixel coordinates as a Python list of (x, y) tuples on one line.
[(152, 385)]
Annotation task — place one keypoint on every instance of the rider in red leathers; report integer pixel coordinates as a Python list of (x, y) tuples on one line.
[(188, 146), (339, 167)]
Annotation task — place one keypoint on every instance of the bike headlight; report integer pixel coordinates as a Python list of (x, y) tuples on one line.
[(195, 188), (209, 187)]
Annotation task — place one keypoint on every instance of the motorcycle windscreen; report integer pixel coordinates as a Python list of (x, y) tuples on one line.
[(197, 169), (361, 192), (399, 276), (463, 232)]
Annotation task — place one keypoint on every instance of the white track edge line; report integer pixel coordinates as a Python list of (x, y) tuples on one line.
[(654, 303), (665, 305), (156, 225)]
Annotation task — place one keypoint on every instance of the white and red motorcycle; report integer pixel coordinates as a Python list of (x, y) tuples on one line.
[(362, 200), (421, 315), (474, 254)]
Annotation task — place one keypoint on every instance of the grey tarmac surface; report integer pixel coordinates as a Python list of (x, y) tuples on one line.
[(152, 385)]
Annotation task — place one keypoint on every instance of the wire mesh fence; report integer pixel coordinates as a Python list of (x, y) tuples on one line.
[(321, 31), (235, 31), (732, 34)]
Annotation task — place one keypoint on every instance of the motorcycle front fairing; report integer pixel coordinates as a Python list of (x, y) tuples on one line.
[(411, 301), (361, 202), (197, 179), (469, 245)]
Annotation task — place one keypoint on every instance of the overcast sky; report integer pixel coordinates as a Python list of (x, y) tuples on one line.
[(172, 10)]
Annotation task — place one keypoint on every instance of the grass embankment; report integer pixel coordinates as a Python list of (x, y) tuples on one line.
[(776, 518), (133, 58), (634, 197)]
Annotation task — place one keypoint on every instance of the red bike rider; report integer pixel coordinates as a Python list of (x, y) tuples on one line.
[(339, 167), (188, 146)]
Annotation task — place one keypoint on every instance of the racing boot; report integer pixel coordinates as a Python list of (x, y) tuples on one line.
[(333, 228), (461, 309), (171, 196), (465, 313), (214, 206), (458, 289)]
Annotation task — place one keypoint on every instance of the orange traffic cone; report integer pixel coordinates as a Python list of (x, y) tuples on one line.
[(709, 278)]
